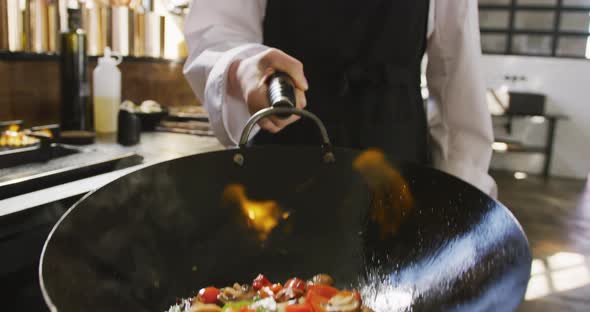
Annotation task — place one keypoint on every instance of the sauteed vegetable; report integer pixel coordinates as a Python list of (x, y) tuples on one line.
[(296, 295)]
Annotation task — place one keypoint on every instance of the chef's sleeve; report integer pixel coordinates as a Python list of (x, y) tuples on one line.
[(219, 32), (459, 119)]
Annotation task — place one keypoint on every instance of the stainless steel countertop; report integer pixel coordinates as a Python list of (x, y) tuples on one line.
[(155, 147)]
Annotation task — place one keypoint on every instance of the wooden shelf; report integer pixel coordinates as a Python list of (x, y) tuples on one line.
[(27, 56), (517, 147), (30, 56), (512, 146), (548, 116)]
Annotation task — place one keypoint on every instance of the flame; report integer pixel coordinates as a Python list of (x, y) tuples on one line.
[(392, 199), (12, 137), (262, 216)]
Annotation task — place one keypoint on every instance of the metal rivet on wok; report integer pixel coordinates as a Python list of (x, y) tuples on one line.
[(239, 159), (329, 158)]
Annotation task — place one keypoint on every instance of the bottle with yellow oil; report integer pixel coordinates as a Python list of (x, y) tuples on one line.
[(107, 92)]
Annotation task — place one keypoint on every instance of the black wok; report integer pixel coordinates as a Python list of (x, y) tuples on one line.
[(164, 231)]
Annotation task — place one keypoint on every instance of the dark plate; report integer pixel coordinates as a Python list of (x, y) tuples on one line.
[(74, 172), (32, 154)]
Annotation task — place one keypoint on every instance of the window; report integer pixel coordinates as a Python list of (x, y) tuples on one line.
[(536, 27)]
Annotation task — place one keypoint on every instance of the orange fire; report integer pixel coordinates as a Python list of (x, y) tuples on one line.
[(262, 216), (392, 199), (12, 137)]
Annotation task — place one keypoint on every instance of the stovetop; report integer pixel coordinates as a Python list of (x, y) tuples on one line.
[(23, 233), (33, 154), (22, 236), (86, 162), (35, 158)]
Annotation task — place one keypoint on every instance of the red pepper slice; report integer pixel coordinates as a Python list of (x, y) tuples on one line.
[(317, 302), (260, 281), (323, 290), (299, 308), (208, 295), (296, 283)]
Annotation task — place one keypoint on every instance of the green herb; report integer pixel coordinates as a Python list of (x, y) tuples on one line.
[(235, 305)]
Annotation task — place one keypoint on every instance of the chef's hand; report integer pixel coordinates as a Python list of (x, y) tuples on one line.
[(248, 80)]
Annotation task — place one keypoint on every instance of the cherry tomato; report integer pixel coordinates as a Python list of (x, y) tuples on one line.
[(266, 292), (299, 308), (323, 290), (260, 281), (276, 287), (296, 283), (208, 295)]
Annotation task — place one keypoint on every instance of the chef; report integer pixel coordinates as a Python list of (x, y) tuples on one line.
[(357, 65)]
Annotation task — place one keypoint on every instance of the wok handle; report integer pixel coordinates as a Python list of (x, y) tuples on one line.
[(327, 153), (281, 92)]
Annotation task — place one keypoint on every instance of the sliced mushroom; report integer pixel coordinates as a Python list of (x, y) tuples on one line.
[(366, 309), (321, 279), (227, 294), (247, 292), (236, 293), (344, 301), (202, 307)]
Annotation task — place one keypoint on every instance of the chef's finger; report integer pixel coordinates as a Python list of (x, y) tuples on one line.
[(257, 100), (281, 61), (282, 123), (268, 125), (300, 98)]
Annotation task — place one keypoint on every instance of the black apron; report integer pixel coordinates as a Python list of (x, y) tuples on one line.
[(362, 61)]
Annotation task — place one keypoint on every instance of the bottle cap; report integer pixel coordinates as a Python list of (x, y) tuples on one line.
[(110, 57), (74, 19)]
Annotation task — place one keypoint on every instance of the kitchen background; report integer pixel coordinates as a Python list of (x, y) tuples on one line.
[(535, 47), (548, 45), (147, 33), (542, 43)]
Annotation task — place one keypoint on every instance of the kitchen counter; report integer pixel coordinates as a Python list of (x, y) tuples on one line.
[(155, 147), (27, 219)]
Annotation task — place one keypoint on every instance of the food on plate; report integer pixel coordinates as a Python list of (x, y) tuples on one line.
[(146, 107), (296, 295), (13, 137)]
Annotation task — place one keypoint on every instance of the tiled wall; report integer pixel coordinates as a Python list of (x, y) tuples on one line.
[(29, 89)]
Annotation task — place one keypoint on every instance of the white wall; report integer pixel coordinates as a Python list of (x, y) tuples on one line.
[(566, 83)]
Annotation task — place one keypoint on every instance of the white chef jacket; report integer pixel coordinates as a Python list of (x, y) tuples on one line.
[(218, 32)]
